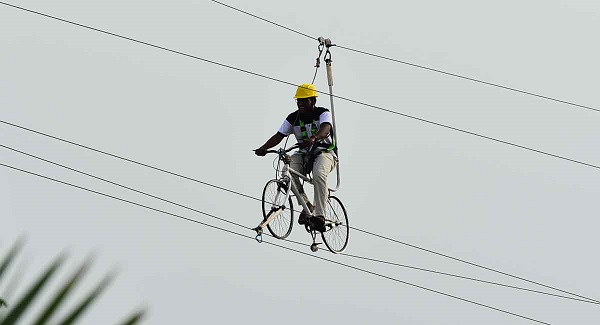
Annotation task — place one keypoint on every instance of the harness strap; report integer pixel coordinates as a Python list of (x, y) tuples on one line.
[(313, 131)]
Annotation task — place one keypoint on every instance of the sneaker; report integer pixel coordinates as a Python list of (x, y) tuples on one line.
[(303, 218), (318, 223)]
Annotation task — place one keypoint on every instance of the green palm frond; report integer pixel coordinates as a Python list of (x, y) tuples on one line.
[(135, 318), (87, 301), (10, 257), (31, 294), (62, 294), (23, 306)]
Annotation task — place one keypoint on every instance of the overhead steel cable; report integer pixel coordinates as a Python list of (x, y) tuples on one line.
[(524, 92), (335, 96), (146, 43), (119, 185), (274, 244), (292, 241), (259, 200), (470, 263), (129, 160), (266, 20), (470, 79), (466, 278), (472, 133)]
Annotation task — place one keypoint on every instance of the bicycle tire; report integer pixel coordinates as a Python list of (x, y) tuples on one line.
[(272, 198), (338, 229)]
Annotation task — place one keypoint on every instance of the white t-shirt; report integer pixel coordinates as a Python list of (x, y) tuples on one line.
[(303, 127)]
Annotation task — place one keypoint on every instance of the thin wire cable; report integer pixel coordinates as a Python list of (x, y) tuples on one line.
[(418, 65), (471, 79), (131, 161), (146, 43), (292, 241), (124, 200), (318, 62), (315, 76), (259, 200), (466, 278), (265, 20), (470, 263), (119, 185), (471, 133), (335, 96), (277, 245)]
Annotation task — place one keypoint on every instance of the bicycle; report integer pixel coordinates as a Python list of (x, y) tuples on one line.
[(278, 209)]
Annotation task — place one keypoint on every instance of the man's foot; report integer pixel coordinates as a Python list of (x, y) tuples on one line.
[(318, 223), (303, 218)]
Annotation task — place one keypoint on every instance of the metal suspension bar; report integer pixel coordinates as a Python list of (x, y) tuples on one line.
[(327, 43)]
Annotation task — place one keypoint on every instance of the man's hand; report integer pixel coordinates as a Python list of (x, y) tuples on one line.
[(308, 142), (260, 151)]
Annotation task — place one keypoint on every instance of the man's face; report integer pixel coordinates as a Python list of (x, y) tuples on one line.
[(305, 105)]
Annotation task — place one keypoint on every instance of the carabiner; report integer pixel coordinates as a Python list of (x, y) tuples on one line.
[(327, 56), (320, 47), (259, 233)]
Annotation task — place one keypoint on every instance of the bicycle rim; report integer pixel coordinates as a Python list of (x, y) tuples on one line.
[(272, 199), (338, 229)]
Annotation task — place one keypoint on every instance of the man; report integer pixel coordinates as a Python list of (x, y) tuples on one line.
[(311, 125)]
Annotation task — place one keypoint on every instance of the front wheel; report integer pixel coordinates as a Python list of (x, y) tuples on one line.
[(336, 223), (273, 199)]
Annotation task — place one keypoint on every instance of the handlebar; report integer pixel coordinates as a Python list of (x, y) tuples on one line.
[(284, 150)]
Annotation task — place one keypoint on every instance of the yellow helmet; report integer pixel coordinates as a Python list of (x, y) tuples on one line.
[(306, 91)]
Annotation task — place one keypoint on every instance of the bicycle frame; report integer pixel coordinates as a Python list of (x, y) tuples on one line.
[(285, 184)]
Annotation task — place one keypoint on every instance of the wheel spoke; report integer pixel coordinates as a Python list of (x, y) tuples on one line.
[(273, 199)]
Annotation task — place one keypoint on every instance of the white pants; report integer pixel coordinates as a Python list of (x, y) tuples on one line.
[(323, 165)]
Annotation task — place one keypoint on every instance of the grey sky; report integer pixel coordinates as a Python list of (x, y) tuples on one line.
[(500, 206)]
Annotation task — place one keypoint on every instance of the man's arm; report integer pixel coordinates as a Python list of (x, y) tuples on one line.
[(272, 142), (322, 133)]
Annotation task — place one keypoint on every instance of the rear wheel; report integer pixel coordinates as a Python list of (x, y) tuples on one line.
[(338, 229), (273, 199)]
